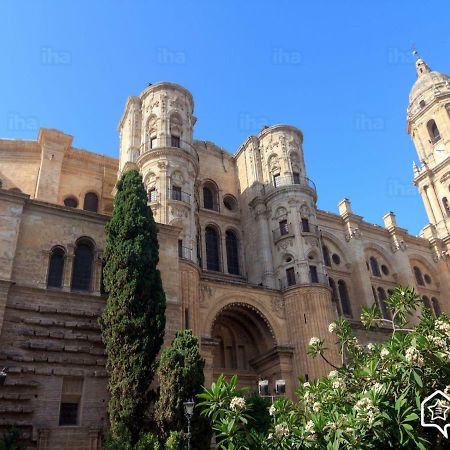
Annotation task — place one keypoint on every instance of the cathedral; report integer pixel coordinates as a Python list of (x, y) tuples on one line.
[(248, 261)]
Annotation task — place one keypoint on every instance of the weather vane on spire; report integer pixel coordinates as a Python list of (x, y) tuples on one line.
[(415, 51)]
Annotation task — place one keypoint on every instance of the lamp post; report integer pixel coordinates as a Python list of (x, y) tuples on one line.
[(3, 374), (189, 412)]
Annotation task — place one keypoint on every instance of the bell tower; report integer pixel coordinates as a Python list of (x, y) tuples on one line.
[(428, 120), (156, 137)]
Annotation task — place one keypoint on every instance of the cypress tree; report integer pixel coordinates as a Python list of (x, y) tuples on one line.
[(180, 374), (133, 320)]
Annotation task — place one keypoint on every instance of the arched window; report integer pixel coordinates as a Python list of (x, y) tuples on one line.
[(231, 242), (382, 303), (175, 130), (82, 265), (326, 256), (433, 131), (71, 202), (436, 306), (419, 276), (374, 267), (56, 268), (212, 249), (345, 301), (446, 206), (90, 202), (426, 302), (334, 295), (210, 196)]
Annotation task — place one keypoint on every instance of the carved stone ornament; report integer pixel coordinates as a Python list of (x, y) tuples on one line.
[(278, 306), (285, 243), (399, 246), (179, 213), (304, 210), (178, 177), (355, 233)]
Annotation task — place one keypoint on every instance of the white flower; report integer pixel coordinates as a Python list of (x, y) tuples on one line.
[(370, 346), (314, 341), (332, 327), (237, 403), (316, 407), (270, 436), (442, 326), (349, 430), (378, 387), (414, 357), (438, 342), (338, 383), (333, 374), (307, 396), (384, 352), (272, 410), (309, 427), (366, 410), (447, 389), (281, 429), (332, 425)]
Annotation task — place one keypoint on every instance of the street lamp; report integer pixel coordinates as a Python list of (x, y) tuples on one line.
[(189, 412), (3, 374)]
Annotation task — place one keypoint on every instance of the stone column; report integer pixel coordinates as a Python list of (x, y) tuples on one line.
[(45, 260), (163, 193), (424, 194), (68, 266), (223, 253), (355, 254), (97, 272), (265, 245), (435, 203)]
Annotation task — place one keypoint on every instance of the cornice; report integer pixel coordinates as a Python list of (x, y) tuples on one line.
[(65, 211), (163, 152), (156, 87), (280, 190), (280, 127)]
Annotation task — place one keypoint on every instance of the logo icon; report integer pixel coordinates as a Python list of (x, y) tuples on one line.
[(434, 411)]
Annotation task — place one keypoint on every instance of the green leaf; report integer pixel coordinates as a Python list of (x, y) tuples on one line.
[(417, 378)]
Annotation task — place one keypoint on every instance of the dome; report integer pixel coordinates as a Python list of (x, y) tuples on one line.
[(427, 79)]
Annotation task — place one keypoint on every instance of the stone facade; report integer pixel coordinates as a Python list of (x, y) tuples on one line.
[(248, 261)]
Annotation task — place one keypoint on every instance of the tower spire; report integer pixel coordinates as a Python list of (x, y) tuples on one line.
[(421, 66)]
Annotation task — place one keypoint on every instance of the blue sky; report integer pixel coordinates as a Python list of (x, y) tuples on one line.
[(340, 71)]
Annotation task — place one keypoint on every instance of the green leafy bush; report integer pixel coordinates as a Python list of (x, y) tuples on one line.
[(10, 439)]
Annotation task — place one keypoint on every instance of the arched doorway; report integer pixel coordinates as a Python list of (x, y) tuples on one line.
[(245, 345)]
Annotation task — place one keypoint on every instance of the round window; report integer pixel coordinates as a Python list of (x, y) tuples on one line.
[(427, 278), (385, 269), (336, 259), (230, 202), (71, 202)]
